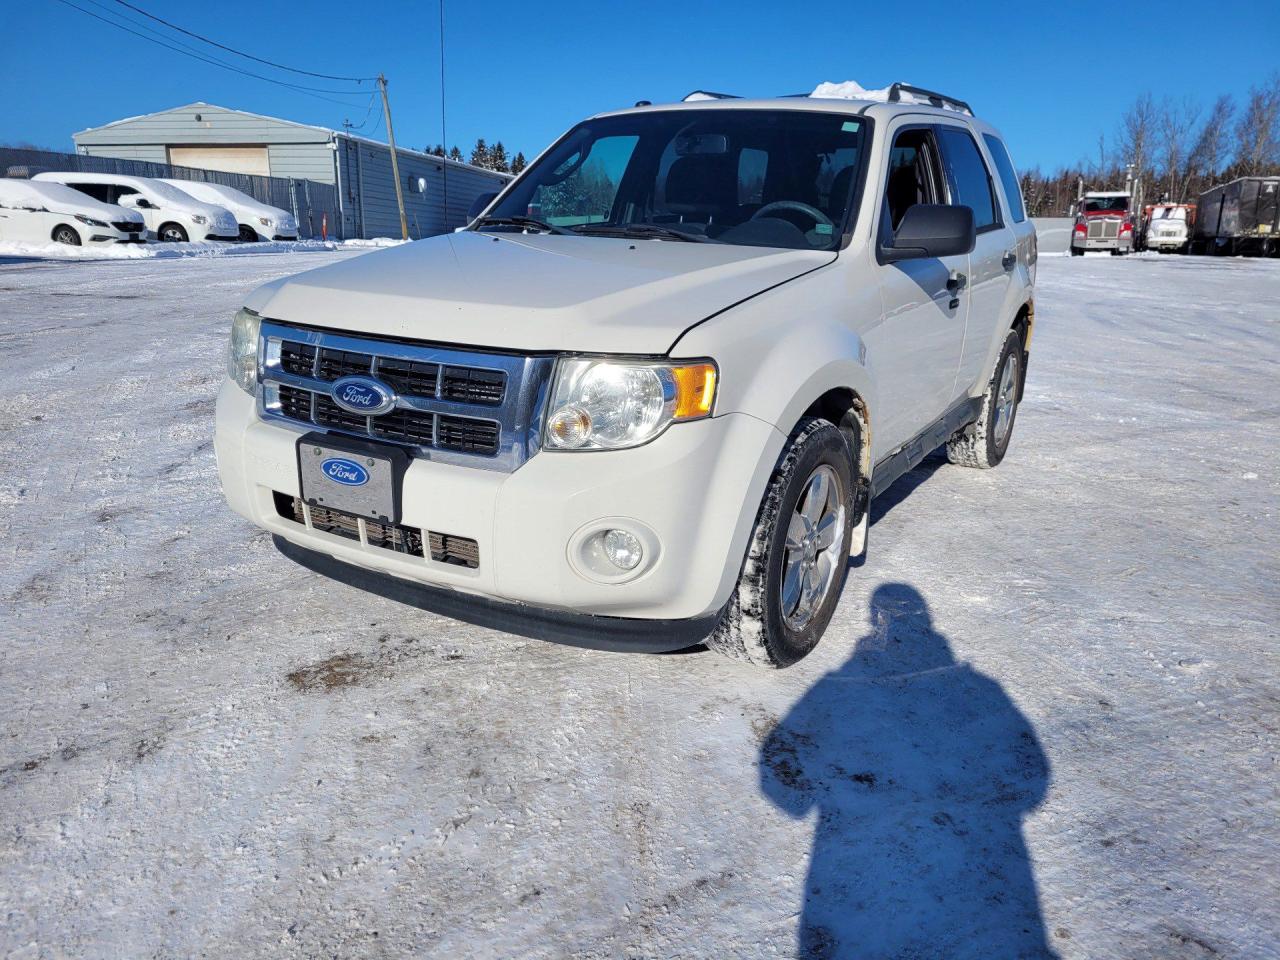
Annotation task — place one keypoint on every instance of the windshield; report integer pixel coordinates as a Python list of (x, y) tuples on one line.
[(1169, 213), (771, 178), (1106, 204)]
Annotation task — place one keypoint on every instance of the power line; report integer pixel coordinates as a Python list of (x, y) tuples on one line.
[(309, 91), (239, 53)]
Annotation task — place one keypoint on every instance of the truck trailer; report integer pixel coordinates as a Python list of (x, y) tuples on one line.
[(1240, 218)]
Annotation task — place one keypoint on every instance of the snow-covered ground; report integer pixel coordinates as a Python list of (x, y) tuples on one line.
[(1046, 712), (21, 250)]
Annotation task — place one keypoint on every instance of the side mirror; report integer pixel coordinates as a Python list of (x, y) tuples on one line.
[(931, 230), (479, 203)]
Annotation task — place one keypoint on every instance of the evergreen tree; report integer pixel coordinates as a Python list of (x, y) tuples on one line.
[(455, 153), (498, 158), (480, 154), (437, 150), (519, 163)]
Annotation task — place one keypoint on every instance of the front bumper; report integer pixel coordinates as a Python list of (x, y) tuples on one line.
[(696, 489), (227, 238)]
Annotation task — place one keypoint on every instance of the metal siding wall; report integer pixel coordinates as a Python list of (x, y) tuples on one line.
[(150, 152), (371, 188), (302, 161)]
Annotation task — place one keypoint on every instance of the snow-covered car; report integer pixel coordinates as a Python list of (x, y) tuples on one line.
[(1167, 226), (658, 412), (170, 214), (36, 212), (256, 220)]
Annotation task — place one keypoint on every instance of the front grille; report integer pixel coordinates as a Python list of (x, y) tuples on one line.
[(450, 404), (459, 551), (127, 226), (388, 536)]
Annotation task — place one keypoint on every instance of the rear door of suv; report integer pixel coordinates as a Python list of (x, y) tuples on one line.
[(994, 257)]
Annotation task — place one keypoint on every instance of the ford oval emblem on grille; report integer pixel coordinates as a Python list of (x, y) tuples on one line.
[(346, 472), (362, 395)]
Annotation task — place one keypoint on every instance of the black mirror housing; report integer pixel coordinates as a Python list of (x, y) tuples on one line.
[(930, 230), (479, 203)]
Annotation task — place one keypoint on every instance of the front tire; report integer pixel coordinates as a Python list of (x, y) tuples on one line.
[(1077, 251), (171, 233), (799, 553), (984, 442), (65, 234), (248, 234)]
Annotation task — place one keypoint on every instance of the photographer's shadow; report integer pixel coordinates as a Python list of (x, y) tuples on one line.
[(921, 770)]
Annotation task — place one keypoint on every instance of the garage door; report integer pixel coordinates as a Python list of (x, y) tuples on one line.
[(231, 159)]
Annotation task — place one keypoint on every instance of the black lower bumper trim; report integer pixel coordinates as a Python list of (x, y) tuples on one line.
[(618, 634)]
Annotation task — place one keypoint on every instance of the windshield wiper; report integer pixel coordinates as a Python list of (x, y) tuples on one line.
[(527, 223), (640, 230)]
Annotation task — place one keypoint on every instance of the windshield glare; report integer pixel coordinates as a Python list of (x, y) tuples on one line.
[(771, 178)]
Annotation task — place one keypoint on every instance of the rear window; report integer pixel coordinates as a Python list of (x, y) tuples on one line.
[(1008, 177)]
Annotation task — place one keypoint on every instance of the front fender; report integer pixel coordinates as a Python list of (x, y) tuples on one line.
[(780, 351)]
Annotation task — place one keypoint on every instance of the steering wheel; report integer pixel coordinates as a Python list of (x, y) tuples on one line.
[(793, 206)]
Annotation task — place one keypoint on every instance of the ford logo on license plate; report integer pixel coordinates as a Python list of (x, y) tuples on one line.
[(362, 395), (344, 471)]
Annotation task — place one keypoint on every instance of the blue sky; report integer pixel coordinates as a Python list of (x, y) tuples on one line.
[(1051, 76)]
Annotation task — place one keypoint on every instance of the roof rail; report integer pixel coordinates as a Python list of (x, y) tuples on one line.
[(710, 95), (935, 99)]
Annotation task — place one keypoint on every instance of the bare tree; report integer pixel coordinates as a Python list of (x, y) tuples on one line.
[(1212, 146), (1137, 139), (1175, 123), (1258, 132)]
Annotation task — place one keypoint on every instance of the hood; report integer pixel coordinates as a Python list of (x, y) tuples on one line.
[(237, 203), (533, 293)]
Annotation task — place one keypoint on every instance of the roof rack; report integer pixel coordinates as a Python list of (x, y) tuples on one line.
[(935, 99)]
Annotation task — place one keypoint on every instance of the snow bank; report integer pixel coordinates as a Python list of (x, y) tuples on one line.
[(168, 251)]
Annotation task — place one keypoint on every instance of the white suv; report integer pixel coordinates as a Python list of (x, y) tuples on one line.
[(171, 215), (646, 398)]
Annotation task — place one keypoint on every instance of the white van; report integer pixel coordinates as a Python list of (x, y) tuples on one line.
[(256, 220), (34, 212), (170, 214)]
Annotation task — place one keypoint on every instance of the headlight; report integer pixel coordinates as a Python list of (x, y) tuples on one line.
[(242, 356), (199, 218), (611, 404), (90, 221), (265, 221)]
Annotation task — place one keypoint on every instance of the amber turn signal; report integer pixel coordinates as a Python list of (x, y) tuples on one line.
[(695, 390)]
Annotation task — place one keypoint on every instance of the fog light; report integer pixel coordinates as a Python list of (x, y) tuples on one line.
[(623, 549)]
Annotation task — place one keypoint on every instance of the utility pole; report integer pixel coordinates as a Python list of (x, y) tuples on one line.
[(395, 166)]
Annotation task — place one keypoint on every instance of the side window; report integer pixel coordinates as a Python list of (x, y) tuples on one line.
[(752, 164), (1008, 177), (96, 190), (972, 181), (913, 175), (120, 191)]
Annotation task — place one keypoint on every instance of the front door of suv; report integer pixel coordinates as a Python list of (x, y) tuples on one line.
[(915, 349)]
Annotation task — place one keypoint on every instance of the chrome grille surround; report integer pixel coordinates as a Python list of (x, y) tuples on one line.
[(516, 418)]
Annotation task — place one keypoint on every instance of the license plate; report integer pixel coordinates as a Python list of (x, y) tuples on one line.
[(351, 475)]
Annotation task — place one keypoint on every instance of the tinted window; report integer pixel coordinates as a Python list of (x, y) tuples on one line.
[(98, 191), (1008, 178), (752, 166), (973, 183)]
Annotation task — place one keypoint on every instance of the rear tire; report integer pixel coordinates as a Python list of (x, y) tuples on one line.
[(65, 234), (790, 582), (171, 233), (984, 442)]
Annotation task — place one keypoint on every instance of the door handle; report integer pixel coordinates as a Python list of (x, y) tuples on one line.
[(1009, 259), (955, 283)]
